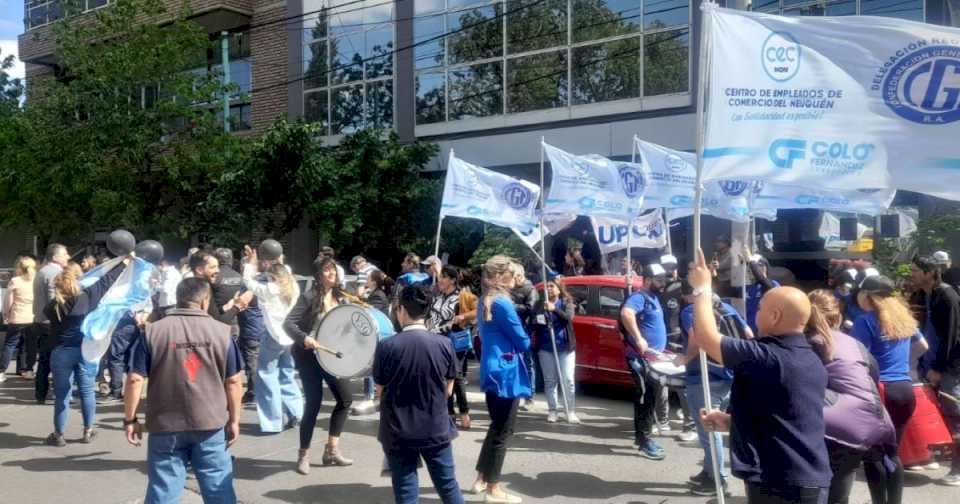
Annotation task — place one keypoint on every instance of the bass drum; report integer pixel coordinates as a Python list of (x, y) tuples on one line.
[(354, 332), (667, 373)]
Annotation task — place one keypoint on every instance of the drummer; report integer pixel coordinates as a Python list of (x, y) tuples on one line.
[(325, 295), (721, 380)]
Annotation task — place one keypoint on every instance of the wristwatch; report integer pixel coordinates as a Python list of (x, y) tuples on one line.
[(131, 422)]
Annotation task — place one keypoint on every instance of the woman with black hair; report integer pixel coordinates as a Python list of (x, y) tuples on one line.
[(325, 295)]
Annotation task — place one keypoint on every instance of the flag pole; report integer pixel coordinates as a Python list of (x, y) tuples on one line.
[(436, 247), (543, 271), (629, 279), (666, 226), (702, 73)]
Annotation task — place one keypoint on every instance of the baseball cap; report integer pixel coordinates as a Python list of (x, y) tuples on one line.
[(429, 261), (878, 285), (941, 257), (654, 270), (668, 260)]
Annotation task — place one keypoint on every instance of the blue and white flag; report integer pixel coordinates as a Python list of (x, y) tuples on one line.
[(869, 102), (861, 201), (129, 293), (649, 231), (594, 185), (673, 175), (478, 193)]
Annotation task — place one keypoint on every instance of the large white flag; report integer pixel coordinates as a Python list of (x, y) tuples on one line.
[(866, 102), (861, 201), (673, 175), (593, 185), (649, 231), (478, 193)]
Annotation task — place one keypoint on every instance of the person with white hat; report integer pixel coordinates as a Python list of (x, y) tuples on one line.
[(942, 258)]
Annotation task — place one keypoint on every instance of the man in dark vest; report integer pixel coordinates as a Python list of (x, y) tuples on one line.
[(196, 372)]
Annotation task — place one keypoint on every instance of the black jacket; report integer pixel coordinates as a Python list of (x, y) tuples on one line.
[(566, 315), (299, 324), (66, 319), (945, 316), (525, 299), (228, 284)]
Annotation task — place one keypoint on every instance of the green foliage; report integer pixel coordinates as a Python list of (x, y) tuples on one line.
[(126, 133), (11, 89), (502, 241)]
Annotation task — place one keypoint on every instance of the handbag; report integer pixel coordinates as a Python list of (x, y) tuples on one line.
[(462, 340)]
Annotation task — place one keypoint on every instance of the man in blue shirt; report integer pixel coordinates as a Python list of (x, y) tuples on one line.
[(776, 404), (644, 332), (414, 372), (721, 379), (762, 283)]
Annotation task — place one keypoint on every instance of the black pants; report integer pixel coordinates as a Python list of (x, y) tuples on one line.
[(646, 390), (45, 344), (121, 341), (249, 349), (884, 474), (459, 388), (764, 494), (22, 340), (503, 415), (844, 462), (313, 377), (900, 403)]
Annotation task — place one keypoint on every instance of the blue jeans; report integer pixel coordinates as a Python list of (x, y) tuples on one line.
[(529, 360), (277, 392), (67, 363), (369, 388), (568, 367), (167, 456), (439, 461), (719, 394)]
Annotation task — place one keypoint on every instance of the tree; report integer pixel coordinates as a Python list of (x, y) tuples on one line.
[(11, 89), (124, 134), (365, 195)]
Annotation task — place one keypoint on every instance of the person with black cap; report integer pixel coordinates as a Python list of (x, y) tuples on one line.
[(644, 332)]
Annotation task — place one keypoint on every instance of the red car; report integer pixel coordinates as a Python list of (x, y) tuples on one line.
[(600, 351)]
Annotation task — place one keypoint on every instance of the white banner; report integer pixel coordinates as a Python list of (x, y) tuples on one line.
[(861, 201), (478, 193), (862, 102), (649, 231), (593, 185), (673, 175)]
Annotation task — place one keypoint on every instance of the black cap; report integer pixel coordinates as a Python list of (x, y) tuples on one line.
[(150, 251), (121, 242), (878, 285)]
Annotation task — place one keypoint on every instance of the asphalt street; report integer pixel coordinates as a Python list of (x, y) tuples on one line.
[(547, 463)]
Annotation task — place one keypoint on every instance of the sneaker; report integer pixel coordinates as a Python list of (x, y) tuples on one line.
[(27, 375), (56, 439), (88, 436), (952, 479), (526, 405), (687, 437), (503, 498), (664, 428), (573, 419), (932, 466), (652, 450), (292, 423), (3, 377), (108, 400), (700, 477), (248, 398), (552, 417), (707, 488), (478, 488), (364, 408)]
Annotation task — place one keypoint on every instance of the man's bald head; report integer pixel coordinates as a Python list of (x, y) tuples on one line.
[(783, 310)]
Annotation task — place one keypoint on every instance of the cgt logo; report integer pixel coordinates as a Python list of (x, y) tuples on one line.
[(631, 180), (924, 86), (516, 196), (780, 56), (784, 151), (733, 187)]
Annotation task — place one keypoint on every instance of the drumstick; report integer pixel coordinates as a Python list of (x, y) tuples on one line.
[(948, 396), (330, 351)]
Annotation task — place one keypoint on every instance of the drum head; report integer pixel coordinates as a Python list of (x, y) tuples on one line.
[(353, 332)]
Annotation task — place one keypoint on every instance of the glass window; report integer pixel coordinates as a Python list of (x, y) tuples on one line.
[(599, 19), (610, 300), (478, 34), (476, 91), (315, 23), (666, 63), (904, 9), (431, 101), (346, 115), (809, 10), (427, 6), (241, 75), (93, 4), (765, 5), (607, 71), (843, 8), (379, 104), (537, 82), (54, 12), (38, 15), (379, 51), (315, 107), (536, 24), (428, 54), (581, 296), (665, 13), (315, 65), (346, 57), (240, 117)]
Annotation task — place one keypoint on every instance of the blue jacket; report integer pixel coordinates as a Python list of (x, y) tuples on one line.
[(502, 370)]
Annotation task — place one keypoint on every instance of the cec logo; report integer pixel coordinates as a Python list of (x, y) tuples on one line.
[(632, 181), (517, 196), (780, 56), (924, 86), (674, 163)]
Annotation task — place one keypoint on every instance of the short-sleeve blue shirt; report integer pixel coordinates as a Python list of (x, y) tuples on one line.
[(649, 320), (893, 355), (716, 371)]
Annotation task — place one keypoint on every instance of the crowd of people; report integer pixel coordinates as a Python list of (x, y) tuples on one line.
[(811, 385)]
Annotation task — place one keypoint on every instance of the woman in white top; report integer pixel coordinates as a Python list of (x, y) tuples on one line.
[(277, 393), (18, 315)]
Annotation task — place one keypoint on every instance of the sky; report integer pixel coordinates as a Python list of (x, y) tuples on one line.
[(11, 25)]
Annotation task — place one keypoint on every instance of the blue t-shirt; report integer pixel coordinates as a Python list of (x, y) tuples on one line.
[(413, 277), (893, 356), (559, 331), (649, 320), (754, 294), (716, 371)]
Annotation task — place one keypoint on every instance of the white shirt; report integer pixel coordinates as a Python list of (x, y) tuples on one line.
[(275, 311), (170, 277)]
